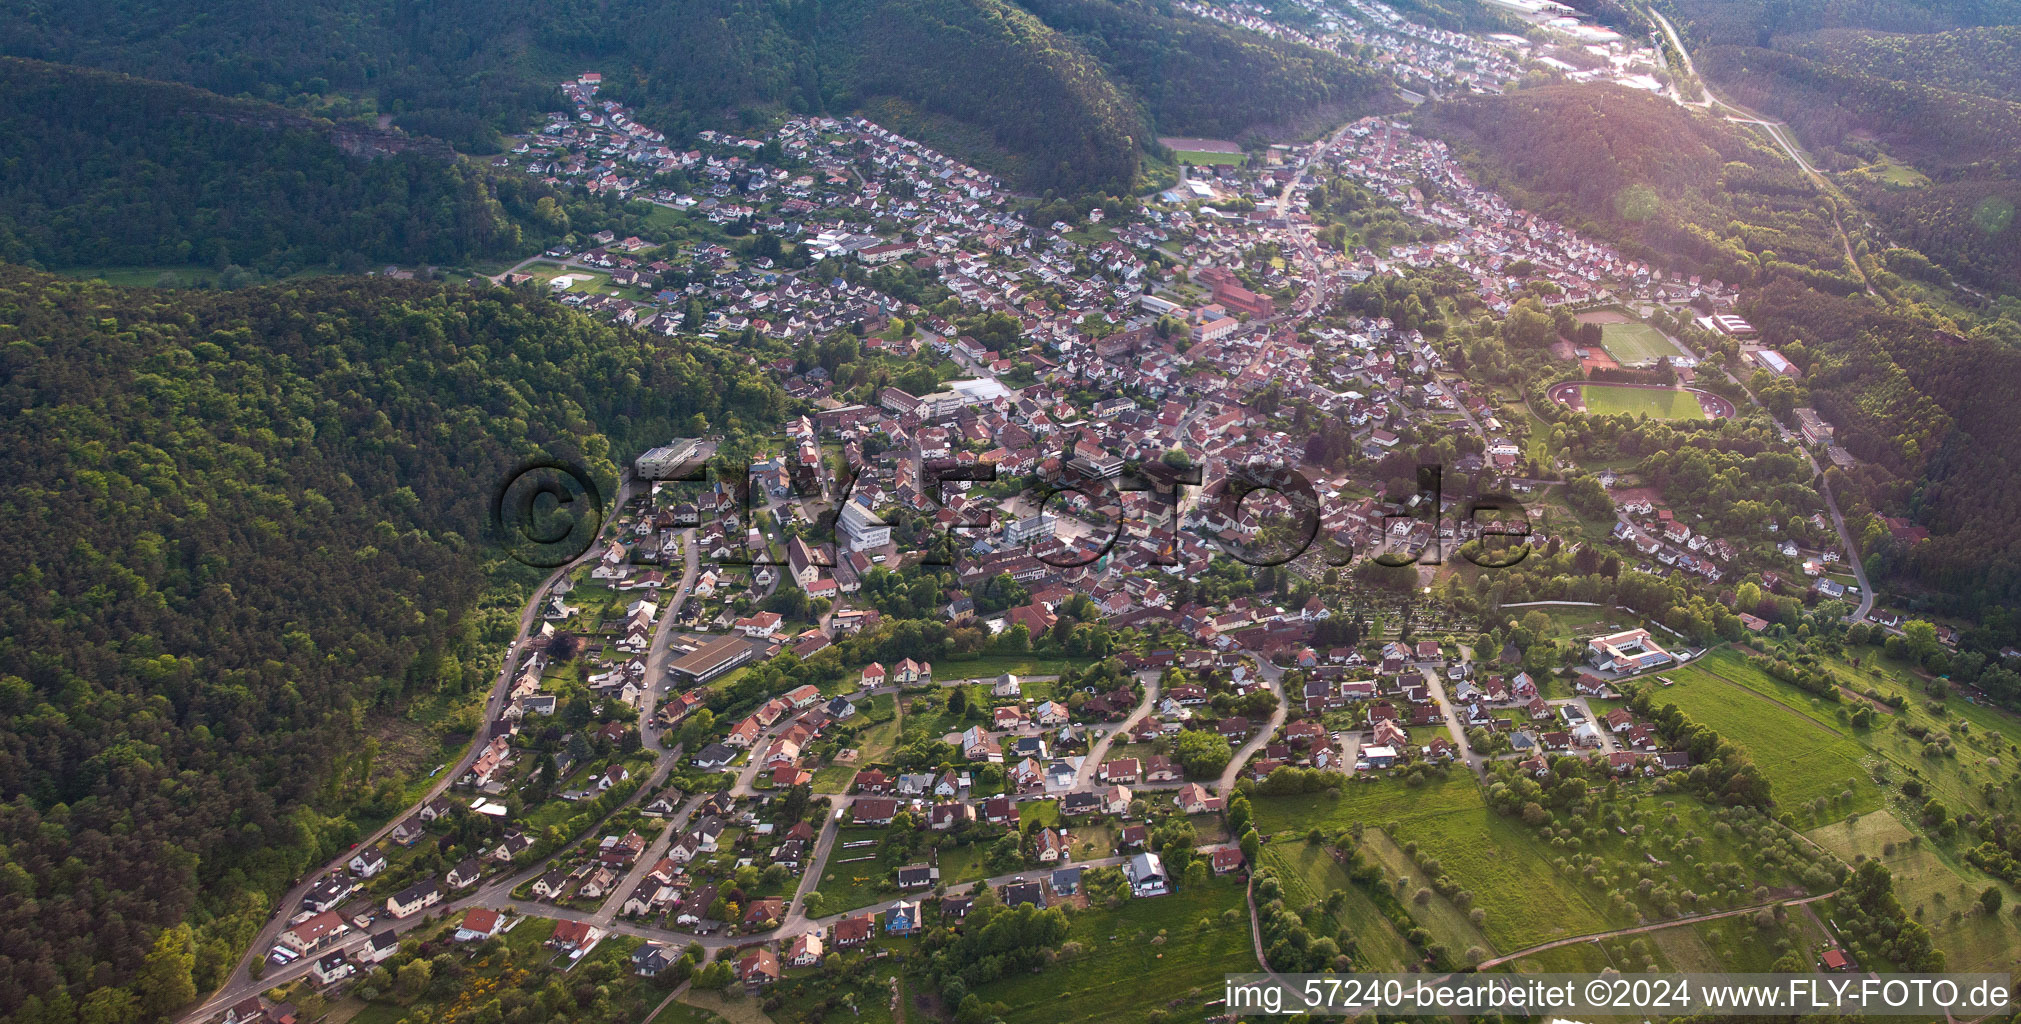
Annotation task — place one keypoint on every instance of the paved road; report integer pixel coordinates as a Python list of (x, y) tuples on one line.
[(1100, 751), (1274, 678), (1435, 682), (661, 650)]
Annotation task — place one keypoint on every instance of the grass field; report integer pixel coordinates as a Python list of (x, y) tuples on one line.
[(1577, 621), (144, 277), (1147, 956), (1894, 172), (991, 666), (1729, 944), (1447, 923), (1987, 740), (596, 282), (732, 1006), (848, 883), (1503, 864), (1802, 748), (866, 998), (1606, 400), (1198, 158), (1932, 886), (1309, 875), (1635, 343), (1577, 958)]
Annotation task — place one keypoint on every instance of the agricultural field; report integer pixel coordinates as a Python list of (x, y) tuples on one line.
[(1737, 943), (1499, 861), (1935, 888), (1984, 742), (1447, 923), (1310, 875), (1796, 739), (1657, 404), (1149, 955), (1633, 343)]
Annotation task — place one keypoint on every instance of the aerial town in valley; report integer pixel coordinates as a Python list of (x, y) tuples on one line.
[(1008, 608)]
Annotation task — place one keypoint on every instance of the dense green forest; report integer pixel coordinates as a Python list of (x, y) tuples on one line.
[(1982, 61), (243, 524), (988, 74), (109, 169), (144, 173), (1758, 22), (1927, 83)]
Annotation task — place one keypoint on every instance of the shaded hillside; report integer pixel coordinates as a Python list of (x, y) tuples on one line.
[(109, 169), (1018, 91), (1760, 22), (1662, 181), (1982, 61), (1939, 130), (1930, 83), (1970, 145), (242, 521), (1198, 77), (1932, 416)]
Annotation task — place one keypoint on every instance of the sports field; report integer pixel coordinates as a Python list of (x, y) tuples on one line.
[(1631, 344), (1657, 404), (1198, 152)]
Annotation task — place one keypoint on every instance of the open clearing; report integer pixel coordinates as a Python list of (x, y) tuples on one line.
[(1633, 343), (1804, 751), (1197, 158), (1604, 316), (1202, 151), (1932, 888)]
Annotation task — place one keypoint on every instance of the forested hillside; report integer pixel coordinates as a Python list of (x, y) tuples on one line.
[(1011, 91), (1984, 61), (108, 169), (223, 506), (1929, 84), (1758, 22), (1662, 181), (1933, 419)]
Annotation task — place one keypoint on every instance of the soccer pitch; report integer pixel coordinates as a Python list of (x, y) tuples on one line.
[(1631, 344), (1198, 158), (1656, 403)]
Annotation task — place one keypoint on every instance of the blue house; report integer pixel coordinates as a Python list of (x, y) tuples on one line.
[(902, 918)]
